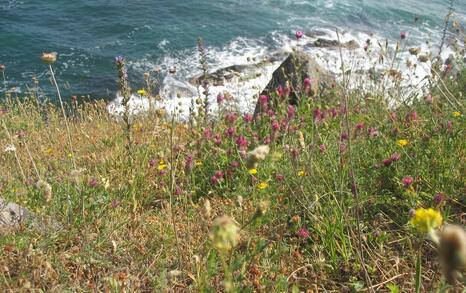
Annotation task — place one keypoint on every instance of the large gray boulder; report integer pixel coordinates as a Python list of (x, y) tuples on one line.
[(291, 73)]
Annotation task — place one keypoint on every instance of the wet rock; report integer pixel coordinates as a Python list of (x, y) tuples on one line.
[(414, 51), (291, 74), (327, 43), (315, 33)]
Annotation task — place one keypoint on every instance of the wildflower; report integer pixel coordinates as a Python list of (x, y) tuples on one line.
[(387, 162), (225, 235), (299, 35), (46, 189), (198, 163), (218, 174), (49, 58), (373, 132), (407, 181), (456, 114), (220, 98), (403, 35), (262, 186), (264, 100), (279, 177), (207, 133), (115, 203), (301, 173), (247, 118), (142, 92), (234, 164), (214, 180), (359, 126), (230, 117), (93, 182), (241, 142), (426, 220), (162, 166), (395, 157), (344, 136), (439, 198), (178, 191), (2, 67), (291, 112), (402, 142), (252, 171), (303, 233), (275, 125), (307, 82), (230, 132)]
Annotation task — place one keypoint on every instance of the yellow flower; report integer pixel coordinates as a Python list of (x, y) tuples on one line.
[(456, 114), (162, 166), (425, 220), (49, 58), (252, 171), (402, 142), (198, 163), (142, 92), (70, 155), (301, 173), (49, 151), (262, 185)]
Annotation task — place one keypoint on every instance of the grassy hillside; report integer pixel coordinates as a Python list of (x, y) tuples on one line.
[(156, 204)]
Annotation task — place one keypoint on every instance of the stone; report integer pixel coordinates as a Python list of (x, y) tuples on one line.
[(292, 71), (13, 215)]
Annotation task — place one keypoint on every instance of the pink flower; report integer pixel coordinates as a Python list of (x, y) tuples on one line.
[(344, 136), (93, 182), (387, 162), (230, 132), (217, 139), (407, 181), (291, 112), (267, 139), (299, 35), (275, 125), (152, 162), (294, 152), (373, 132), (247, 118), (342, 148), (214, 180), (333, 112), (178, 190), (279, 177), (280, 91), (234, 164), (303, 233), (220, 98), (307, 82), (439, 198), (395, 157), (207, 133), (230, 117), (241, 142), (218, 174), (264, 100), (403, 35), (359, 126)]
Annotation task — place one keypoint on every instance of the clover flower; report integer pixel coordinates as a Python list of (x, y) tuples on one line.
[(407, 181), (303, 233)]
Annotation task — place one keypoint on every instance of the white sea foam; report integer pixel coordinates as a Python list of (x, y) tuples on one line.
[(177, 92)]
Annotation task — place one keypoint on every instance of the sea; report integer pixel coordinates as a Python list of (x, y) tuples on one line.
[(159, 37)]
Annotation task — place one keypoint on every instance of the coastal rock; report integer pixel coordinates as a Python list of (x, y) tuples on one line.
[(12, 214), (327, 43), (291, 74)]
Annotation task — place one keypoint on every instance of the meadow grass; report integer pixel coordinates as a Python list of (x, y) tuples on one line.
[(194, 210)]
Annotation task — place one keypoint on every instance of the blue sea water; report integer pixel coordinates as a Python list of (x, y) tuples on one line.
[(88, 34)]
